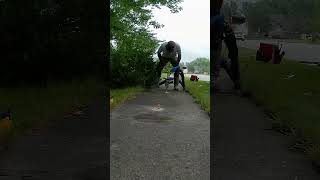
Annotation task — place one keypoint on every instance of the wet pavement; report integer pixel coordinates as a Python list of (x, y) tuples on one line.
[(160, 136), (73, 148), (244, 146)]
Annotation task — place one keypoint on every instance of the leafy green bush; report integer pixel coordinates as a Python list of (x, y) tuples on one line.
[(131, 60), (132, 43)]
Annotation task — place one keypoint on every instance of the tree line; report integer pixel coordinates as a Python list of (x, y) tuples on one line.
[(51, 40), (298, 16), (201, 65), (133, 44)]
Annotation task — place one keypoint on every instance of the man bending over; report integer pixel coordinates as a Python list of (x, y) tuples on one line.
[(169, 51)]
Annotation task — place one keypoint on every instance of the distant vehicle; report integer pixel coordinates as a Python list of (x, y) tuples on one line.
[(196, 72), (239, 36), (239, 26), (185, 70)]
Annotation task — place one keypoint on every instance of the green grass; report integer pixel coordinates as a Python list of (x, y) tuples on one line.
[(36, 106), (200, 91), (295, 101), (118, 96), (163, 75)]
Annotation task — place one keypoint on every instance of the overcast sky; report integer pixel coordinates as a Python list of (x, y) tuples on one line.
[(190, 28)]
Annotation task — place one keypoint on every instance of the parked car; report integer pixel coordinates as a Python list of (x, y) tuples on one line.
[(239, 36)]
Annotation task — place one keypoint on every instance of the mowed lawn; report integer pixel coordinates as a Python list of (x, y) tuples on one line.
[(290, 90)]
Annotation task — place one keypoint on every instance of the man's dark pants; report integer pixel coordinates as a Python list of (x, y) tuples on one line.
[(163, 62), (231, 44)]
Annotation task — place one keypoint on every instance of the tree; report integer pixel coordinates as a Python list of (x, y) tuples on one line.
[(300, 16), (132, 43), (200, 64), (50, 40), (230, 8), (245, 6), (44, 40)]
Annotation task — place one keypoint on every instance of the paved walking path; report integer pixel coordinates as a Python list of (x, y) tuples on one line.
[(166, 142), (73, 148), (245, 149)]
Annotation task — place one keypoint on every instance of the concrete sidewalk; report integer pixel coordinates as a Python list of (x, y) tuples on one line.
[(166, 142), (244, 147)]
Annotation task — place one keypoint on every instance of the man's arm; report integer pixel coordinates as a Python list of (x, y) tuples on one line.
[(231, 44), (160, 51), (179, 53)]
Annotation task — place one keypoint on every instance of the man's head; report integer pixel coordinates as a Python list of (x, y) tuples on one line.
[(170, 46)]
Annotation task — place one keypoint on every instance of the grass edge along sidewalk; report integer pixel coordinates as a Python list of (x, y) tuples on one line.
[(120, 95), (35, 107), (200, 91), (291, 93)]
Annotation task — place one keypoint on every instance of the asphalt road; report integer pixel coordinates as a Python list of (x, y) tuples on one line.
[(294, 51), (244, 146), (166, 142)]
